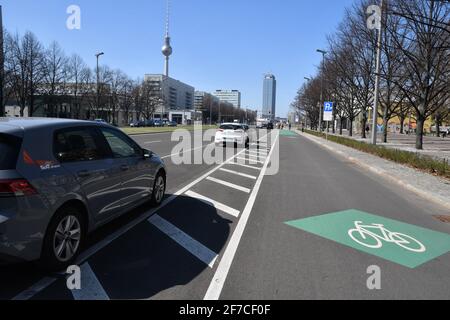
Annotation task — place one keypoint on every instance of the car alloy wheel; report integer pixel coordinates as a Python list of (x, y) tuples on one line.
[(159, 189), (67, 238)]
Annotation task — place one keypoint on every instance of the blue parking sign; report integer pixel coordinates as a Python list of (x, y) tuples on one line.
[(328, 106), (328, 111)]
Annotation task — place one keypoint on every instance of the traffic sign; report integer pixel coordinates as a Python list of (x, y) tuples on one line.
[(328, 111)]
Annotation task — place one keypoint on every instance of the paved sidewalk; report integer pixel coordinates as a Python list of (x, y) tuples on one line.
[(426, 185), (438, 148)]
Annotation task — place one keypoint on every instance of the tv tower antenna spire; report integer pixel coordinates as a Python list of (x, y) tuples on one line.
[(167, 48)]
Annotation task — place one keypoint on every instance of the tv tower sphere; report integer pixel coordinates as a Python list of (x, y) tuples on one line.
[(167, 48)]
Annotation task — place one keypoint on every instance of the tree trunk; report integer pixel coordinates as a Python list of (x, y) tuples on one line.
[(363, 128), (402, 124), (364, 132), (350, 129), (419, 133), (385, 129), (341, 124), (438, 127)]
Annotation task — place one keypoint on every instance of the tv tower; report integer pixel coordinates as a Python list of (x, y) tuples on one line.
[(167, 48)]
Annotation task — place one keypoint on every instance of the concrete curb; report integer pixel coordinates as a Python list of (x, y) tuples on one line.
[(386, 175)]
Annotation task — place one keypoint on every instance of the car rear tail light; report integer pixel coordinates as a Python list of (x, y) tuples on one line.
[(16, 188)]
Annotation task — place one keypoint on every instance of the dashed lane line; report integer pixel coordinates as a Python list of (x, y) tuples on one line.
[(193, 246), (244, 165), (215, 288), (238, 173), (257, 157), (35, 288), (229, 184), (219, 206), (250, 160)]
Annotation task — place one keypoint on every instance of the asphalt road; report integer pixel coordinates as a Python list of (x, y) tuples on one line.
[(241, 247)]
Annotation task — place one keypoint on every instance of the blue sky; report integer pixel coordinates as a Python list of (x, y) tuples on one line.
[(218, 44)]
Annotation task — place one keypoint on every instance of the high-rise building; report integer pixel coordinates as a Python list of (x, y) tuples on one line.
[(230, 96), (269, 96)]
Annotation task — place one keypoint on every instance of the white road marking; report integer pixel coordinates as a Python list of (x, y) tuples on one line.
[(35, 289), (256, 156), (250, 160), (3, 219), (219, 206), (47, 281), (244, 165), (218, 281), (229, 184), (193, 246), (258, 152), (91, 289), (239, 174)]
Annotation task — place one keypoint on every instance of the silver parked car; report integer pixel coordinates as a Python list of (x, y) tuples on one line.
[(61, 179)]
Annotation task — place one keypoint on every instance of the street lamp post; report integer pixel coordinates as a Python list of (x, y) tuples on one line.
[(98, 79), (211, 101), (377, 83), (323, 52), (305, 121)]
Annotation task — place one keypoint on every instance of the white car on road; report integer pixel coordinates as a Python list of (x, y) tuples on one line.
[(232, 133)]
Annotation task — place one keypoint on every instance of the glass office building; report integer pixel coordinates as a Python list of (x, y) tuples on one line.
[(269, 97)]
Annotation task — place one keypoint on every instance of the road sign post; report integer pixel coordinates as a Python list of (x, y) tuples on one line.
[(328, 114)]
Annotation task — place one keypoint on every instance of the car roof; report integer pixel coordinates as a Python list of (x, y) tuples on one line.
[(32, 123)]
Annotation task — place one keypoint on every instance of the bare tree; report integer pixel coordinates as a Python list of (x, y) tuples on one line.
[(393, 77), (76, 72), (126, 101), (425, 54), (53, 86), (117, 82), (150, 99), (27, 62)]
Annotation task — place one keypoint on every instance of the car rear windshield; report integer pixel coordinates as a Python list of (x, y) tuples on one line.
[(9, 151), (230, 127)]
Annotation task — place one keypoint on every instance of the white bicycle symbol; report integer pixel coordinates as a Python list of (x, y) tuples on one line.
[(367, 238)]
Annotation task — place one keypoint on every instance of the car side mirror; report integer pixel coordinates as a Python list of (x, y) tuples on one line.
[(147, 154)]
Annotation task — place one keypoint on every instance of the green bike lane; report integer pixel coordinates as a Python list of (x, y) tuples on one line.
[(318, 226)]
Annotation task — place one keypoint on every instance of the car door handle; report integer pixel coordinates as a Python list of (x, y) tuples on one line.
[(124, 167), (84, 174)]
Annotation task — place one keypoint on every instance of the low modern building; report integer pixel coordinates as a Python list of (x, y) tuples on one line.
[(176, 94), (177, 99), (230, 96)]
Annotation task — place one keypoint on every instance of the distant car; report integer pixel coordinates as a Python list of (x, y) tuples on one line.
[(158, 123), (135, 124), (52, 195), (232, 133), (101, 120), (149, 123), (172, 124), (270, 126)]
